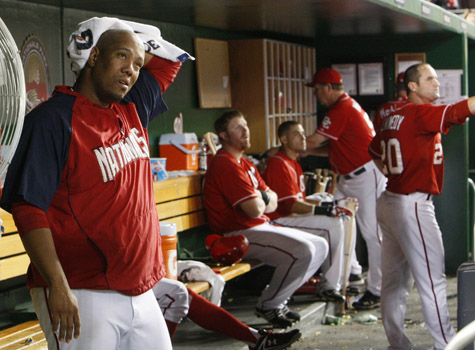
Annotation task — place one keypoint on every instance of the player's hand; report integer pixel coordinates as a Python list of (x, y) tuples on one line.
[(342, 212), (64, 311), (343, 202)]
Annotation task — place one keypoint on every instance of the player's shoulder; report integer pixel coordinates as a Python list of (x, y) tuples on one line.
[(276, 160), (57, 108), (222, 161)]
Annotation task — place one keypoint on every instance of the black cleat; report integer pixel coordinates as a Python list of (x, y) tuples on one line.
[(330, 295), (276, 341), (356, 279), (352, 290), (292, 315), (275, 317), (367, 302)]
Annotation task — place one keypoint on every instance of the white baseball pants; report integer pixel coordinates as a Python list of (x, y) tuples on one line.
[(367, 187), (412, 242), (333, 231), (109, 321), (173, 299), (296, 256)]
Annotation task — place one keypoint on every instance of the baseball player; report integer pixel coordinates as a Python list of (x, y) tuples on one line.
[(285, 176), (348, 130), (236, 200), (409, 151), (387, 108), (80, 191), (177, 302)]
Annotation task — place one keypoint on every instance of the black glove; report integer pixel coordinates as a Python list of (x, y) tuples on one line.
[(326, 209)]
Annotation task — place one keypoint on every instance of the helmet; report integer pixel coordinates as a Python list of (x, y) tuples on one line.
[(227, 250)]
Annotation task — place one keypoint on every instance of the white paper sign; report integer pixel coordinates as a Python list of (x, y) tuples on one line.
[(348, 75)]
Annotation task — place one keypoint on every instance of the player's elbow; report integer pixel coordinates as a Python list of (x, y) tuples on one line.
[(253, 208)]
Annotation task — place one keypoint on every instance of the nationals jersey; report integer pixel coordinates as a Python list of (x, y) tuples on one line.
[(88, 168), (285, 177), (349, 130), (386, 109), (409, 145), (227, 184)]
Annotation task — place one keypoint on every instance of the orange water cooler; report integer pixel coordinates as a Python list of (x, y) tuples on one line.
[(181, 151)]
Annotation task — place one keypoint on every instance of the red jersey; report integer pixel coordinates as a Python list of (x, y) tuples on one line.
[(88, 168), (386, 109), (227, 184), (410, 147), (285, 177), (349, 130)]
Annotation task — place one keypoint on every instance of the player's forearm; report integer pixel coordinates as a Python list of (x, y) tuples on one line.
[(301, 207), (315, 140), (253, 207), (40, 247), (165, 71), (321, 151), (471, 105), (379, 164)]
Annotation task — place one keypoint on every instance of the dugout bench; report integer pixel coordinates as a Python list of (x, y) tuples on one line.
[(178, 200)]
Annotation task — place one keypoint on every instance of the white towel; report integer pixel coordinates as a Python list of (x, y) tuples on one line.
[(194, 271), (85, 37)]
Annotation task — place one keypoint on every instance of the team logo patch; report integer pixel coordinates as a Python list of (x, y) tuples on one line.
[(84, 41), (302, 183), (37, 77), (326, 122), (252, 175)]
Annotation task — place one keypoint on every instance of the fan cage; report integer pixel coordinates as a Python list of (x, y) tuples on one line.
[(12, 98)]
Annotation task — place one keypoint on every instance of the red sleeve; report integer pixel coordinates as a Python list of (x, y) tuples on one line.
[(27, 217), (456, 114), (280, 179), (165, 71), (375, 147), (235, 183), (334, 122)]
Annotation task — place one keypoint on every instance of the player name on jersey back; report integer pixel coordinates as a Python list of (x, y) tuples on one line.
[(392, 123)]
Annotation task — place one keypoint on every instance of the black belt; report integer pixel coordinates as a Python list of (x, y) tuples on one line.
[(428, 198), (355, 173)]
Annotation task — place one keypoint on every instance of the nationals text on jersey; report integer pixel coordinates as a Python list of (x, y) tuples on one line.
[(392, 123), (113, 158)]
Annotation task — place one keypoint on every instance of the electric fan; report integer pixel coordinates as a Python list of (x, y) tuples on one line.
[(12, 98)]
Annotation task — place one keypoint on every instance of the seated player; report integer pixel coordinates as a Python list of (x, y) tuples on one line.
[(285, 176), (236, 200), (177, 302)]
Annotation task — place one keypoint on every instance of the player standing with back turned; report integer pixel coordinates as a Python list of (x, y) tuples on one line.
[(409, 150)]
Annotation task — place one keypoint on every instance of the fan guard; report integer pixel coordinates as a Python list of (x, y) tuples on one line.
[(12, 98)]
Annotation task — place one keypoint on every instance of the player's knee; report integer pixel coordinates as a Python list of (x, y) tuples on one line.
[(313, 248)]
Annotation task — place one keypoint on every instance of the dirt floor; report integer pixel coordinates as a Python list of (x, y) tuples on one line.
[(357, 336)]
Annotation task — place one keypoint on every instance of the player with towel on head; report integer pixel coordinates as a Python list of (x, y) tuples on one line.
[(81, 194)]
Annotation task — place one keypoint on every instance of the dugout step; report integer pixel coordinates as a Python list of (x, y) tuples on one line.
[(190, 336)]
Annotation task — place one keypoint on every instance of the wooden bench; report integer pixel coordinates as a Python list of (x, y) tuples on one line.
[(178, 201), (27, 335)]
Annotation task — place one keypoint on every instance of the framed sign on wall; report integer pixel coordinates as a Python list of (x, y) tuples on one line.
[(405, 60)]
